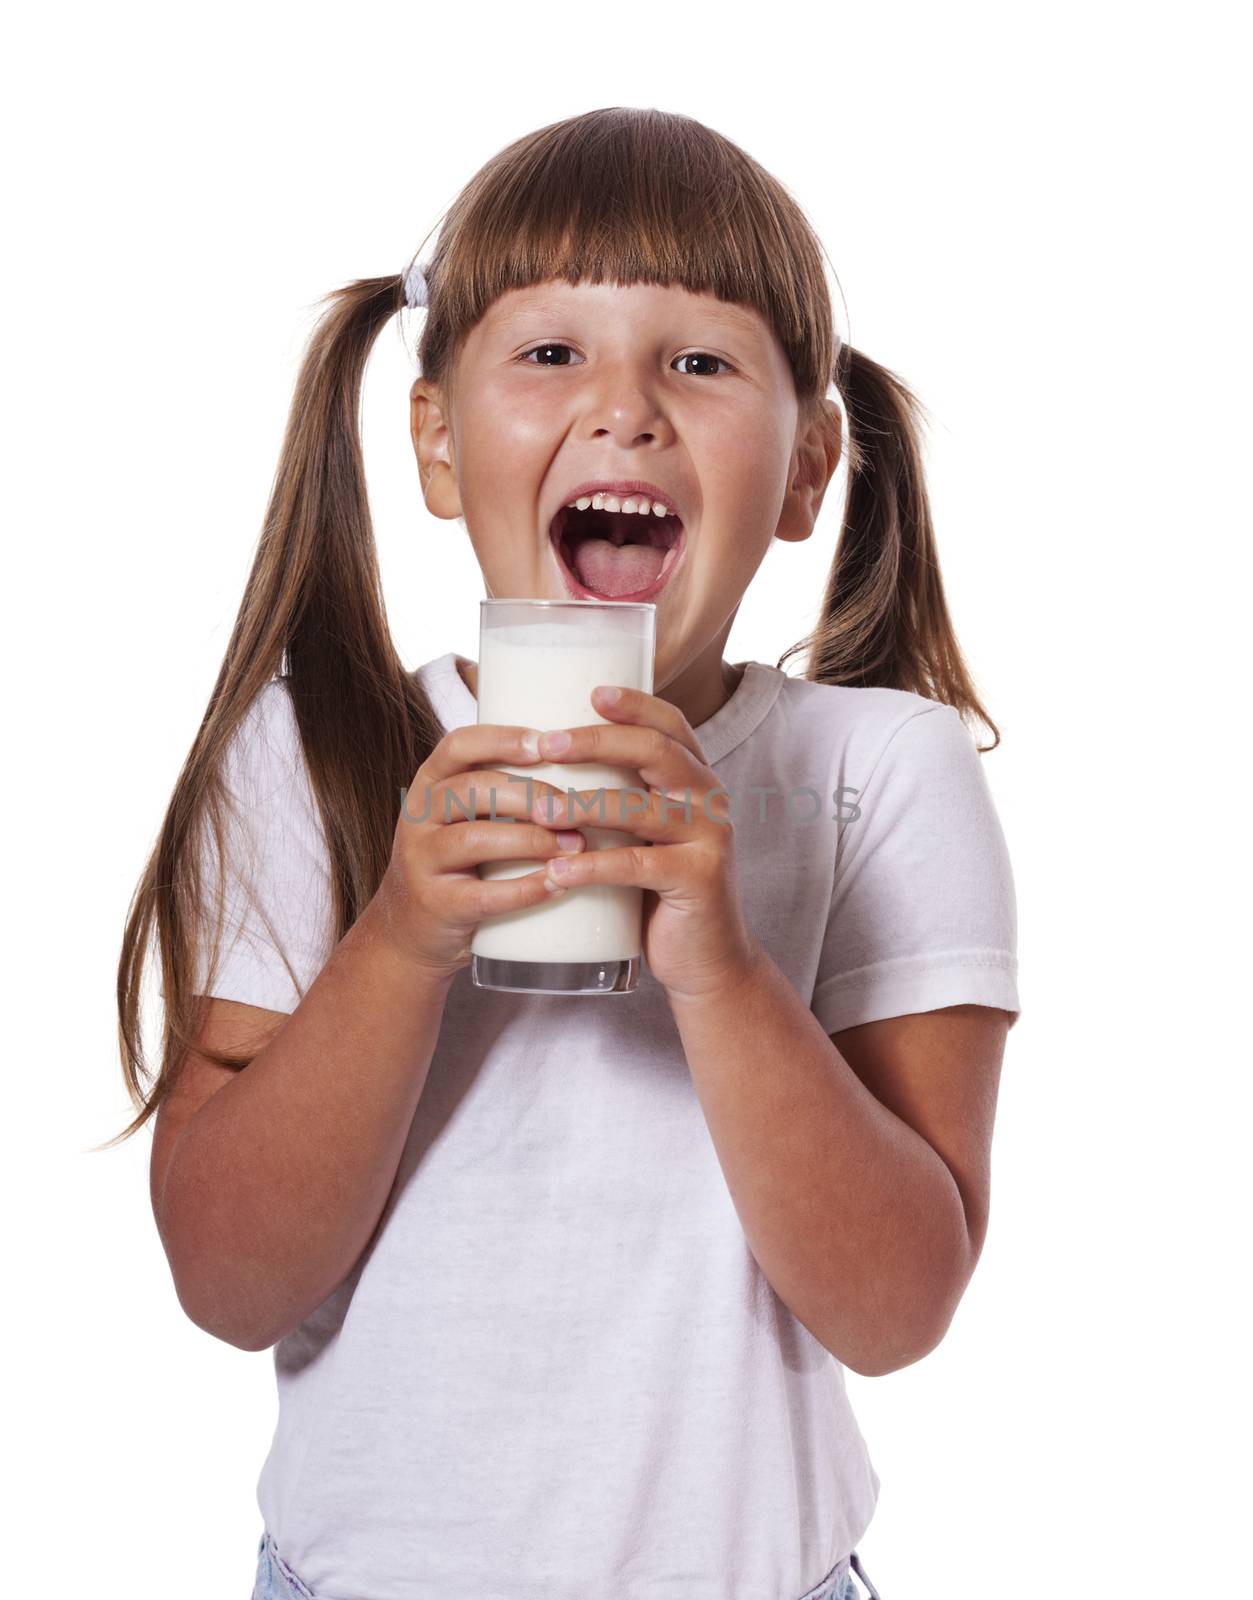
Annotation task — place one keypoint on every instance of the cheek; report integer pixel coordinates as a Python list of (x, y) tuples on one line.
[(511, 417), (502, 453), (504, 449), (741, 466)]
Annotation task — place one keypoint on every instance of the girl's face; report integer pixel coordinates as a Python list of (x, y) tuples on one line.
[(563, 385)]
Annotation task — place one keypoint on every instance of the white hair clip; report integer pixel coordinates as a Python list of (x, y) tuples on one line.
[(415, 286)]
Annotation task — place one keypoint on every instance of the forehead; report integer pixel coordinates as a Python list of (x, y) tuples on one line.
[(642, 301)]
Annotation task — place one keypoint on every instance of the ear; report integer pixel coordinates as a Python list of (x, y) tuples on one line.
[(819, 444), (432, 444)]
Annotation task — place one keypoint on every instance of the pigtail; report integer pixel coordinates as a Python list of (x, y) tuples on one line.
[(314, 609), (312, 612), (884, 621)]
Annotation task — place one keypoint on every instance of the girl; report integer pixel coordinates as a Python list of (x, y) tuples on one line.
[(561, 1290)]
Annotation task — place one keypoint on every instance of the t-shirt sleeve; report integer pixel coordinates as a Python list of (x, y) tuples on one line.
[(274, 874), (923, 910)]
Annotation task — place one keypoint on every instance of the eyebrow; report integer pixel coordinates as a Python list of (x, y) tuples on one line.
[(732, 311), (516, 312)]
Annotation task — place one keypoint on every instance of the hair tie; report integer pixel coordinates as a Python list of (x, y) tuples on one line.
[(415, 286)]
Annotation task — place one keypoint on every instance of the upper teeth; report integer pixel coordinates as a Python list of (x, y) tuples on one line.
[(611, 502)]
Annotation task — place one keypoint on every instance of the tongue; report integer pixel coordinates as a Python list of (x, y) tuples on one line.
[(612, 569)]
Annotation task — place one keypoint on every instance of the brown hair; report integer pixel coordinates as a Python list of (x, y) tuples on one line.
[(618, 194)]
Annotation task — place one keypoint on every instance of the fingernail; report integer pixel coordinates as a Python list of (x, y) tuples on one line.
[(558, 867), (554, 743), (530, 742), (607, 696), (568, 840)]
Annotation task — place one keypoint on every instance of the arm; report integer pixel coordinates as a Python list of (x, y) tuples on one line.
[(858, 1163), (857, 1160), (266, 1195), (268, 1183)]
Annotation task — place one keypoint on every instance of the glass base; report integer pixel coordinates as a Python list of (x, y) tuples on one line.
[(619, 976)]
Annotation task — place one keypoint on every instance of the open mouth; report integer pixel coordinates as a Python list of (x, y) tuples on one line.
[(615, 555)]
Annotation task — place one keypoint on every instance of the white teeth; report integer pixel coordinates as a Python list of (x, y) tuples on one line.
[(612, 502)]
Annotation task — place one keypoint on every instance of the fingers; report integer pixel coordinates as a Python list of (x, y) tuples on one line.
[(637, 706), (662, 761), (658, 818), (485, 792), (463, 845), (663, 748), (457, 815), (477, 745), (634, 865), (489, 897)]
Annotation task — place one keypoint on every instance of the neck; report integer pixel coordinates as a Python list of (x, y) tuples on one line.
[(699, 689)]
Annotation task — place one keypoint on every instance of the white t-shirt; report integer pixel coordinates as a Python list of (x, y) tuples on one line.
[(557, 1370)]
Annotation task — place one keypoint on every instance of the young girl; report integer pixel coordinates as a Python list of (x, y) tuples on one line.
[(561, 1290)]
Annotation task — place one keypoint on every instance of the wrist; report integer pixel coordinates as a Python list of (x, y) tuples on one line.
[(724, 984), (390, 933)]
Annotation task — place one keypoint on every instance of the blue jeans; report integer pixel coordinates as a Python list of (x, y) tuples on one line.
[(277, 1581)]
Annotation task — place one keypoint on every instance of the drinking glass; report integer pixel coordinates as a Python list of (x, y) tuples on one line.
[(539, 661)]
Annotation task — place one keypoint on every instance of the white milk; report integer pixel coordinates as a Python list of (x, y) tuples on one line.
[(541, 675)]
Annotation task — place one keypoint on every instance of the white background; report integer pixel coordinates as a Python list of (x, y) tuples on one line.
[(1033, 216)]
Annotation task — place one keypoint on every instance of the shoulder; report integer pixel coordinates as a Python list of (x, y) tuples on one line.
[(269, 723), (264, 771), (906, 762), (859, 727), (265, 745), (874, 707)]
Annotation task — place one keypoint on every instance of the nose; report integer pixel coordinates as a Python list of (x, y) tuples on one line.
[(624, 406)]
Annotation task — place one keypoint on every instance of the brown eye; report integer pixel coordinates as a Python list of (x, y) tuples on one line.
[(702, 355), (546, 350)]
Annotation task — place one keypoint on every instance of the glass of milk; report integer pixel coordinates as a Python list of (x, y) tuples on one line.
[(539, 661)]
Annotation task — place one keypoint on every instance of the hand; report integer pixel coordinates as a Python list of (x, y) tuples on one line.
[(695, 937), (431, 898)]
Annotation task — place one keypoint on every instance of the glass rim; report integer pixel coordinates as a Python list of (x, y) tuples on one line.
[(585, 605)]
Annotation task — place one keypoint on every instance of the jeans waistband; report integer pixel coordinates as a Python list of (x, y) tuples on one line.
[(276, 1580)]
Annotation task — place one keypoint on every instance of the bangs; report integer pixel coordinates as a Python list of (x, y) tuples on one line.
[(632, 196)]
